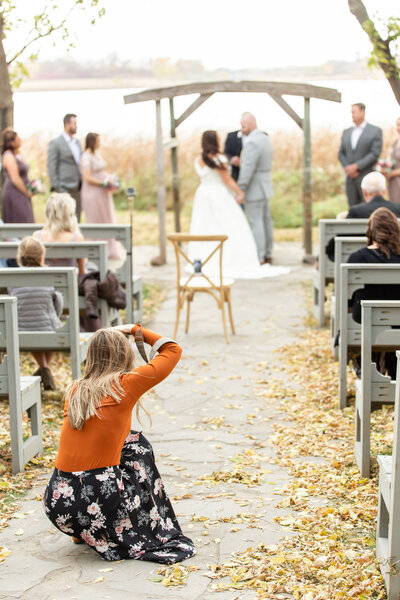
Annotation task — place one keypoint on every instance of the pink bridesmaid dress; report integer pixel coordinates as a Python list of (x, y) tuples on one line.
[(97, 202)]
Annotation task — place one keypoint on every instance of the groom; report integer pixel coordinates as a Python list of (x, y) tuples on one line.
[(256, 182)]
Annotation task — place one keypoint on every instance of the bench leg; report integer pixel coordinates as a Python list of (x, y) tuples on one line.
[(342, 373), (362, 428)]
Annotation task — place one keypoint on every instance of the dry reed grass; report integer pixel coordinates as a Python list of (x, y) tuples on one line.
[(134, 161)]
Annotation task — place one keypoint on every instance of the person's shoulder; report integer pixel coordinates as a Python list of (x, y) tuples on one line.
[(359, 255), (357, 211), (374, 128), (9, 157), (56, 141), (393, 206)]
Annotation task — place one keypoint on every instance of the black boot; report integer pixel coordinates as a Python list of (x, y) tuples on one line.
[(47, 379)]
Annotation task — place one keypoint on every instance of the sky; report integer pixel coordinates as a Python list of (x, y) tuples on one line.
[(220, 33)]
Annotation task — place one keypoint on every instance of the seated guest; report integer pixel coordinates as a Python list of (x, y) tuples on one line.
[(61, 226), (373, 187), (383, 235), (105, 490), (383, 247), (39, 308)]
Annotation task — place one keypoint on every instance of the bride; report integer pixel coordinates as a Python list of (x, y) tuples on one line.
[(216, 211)]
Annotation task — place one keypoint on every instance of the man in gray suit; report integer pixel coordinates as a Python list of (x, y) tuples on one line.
[(360, 149), (63, 158), (256, 182)]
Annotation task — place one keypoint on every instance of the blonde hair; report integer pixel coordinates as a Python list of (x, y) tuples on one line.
[(109, 356), (60, 213), (31, 252)]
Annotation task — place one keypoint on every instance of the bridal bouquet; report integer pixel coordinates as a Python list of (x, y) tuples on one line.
[(35, 186), (385, 165), (111, 182)]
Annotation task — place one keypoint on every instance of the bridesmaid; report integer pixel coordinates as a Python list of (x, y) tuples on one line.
[(17, 204), (393, 177), (97, 201)]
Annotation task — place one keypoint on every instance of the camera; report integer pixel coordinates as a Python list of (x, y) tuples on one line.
[(131, 191)]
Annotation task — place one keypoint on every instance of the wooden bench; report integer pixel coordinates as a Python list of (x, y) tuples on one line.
[(377, 334), (66, 338), (353, 277), (23, 392), (122, 233), (95, 252), (388, 530), (344, 247), (328, 229)]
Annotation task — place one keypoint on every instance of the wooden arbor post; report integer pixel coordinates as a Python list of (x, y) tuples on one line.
[(307, 185), (304, 124), (161, 194)]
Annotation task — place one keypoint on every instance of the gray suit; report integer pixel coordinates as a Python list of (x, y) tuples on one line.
[(64, 172), (256, 182), (365, 154)]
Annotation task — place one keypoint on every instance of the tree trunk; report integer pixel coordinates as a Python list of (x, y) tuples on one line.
[(6, 95), (388, 62)]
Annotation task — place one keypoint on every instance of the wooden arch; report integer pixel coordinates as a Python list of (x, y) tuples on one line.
[(205, 90)]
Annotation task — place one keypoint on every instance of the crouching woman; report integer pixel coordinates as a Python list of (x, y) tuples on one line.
[(106, 490)]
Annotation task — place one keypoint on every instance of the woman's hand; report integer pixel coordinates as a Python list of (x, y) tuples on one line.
[(125, 329)]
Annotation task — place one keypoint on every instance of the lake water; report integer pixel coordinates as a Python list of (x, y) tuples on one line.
[(104, 111)]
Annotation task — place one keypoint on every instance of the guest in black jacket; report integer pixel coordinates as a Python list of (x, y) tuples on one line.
[(373, 188), (383, 235), (233, 148)]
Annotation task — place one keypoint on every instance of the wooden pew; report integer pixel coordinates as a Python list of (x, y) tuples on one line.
[(353, 277), (67, 338), (122, 233), (23, 392), (388, 530), (344, 247), (95, 252), (328, 229), (377, 334)]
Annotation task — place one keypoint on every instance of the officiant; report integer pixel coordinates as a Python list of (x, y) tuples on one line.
[(232, 149)]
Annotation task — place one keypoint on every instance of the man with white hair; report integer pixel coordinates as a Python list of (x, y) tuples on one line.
[(373, 187), (256, 182)]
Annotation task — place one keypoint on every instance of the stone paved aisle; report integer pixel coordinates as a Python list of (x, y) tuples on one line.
[(203, 415)]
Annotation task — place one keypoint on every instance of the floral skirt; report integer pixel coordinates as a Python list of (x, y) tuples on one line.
[(121, 511)]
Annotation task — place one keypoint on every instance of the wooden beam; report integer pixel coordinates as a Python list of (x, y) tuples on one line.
[(288, 109), (174, 164), (161, 203), (307, 184), (278, 88), (194, 106)]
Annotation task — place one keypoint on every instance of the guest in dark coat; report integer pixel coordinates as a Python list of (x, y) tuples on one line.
[(383, 235), (360, 148), (233, 148), (373, 188), (383, 247)]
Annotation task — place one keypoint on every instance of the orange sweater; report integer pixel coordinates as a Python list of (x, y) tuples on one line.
[(99, 442)]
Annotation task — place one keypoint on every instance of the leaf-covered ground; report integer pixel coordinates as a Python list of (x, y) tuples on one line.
[(332, 554), (329, 511)]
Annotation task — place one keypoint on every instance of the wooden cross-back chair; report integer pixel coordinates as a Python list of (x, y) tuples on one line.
[(188, 285)]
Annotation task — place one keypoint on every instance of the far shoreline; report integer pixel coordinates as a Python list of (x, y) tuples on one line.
[(59, 85)]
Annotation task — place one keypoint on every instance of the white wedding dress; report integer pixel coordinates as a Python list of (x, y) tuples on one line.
[(215, 211)]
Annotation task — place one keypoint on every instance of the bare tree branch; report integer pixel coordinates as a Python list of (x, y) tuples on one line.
[(40, 35), (381, 47)]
